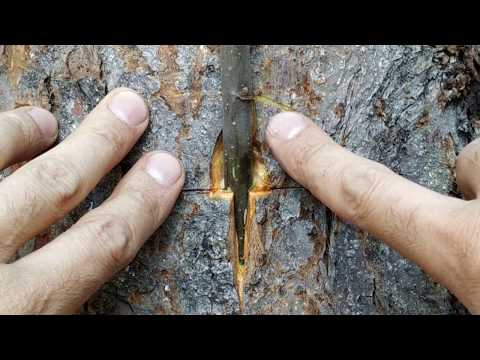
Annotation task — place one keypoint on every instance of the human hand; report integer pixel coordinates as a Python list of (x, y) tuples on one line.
[(62, 275), (439, 233)]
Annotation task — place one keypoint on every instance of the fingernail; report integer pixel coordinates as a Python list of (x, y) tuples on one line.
[(129, 107), (164, 168), (287, 125), (45, 121)]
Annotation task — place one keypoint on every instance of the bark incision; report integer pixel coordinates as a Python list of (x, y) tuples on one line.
[(413, 108)]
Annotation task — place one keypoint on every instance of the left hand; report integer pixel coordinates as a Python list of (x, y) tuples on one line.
[(62, 275)]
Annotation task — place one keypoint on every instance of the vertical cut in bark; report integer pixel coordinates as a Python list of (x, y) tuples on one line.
[(237, 130)]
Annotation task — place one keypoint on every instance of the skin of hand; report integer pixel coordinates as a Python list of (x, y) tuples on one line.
[(59, 277), (439, 233)]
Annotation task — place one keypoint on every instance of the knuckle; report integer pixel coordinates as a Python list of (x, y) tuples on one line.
[(358, 185), (141, 201), (405, 222), (59, 179), (466, 246), (19, 214), (411, 228), (113, 236), (310, 159), (460, 230), (111, 139)]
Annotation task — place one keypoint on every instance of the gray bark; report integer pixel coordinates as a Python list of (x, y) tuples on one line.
[(412, 108)]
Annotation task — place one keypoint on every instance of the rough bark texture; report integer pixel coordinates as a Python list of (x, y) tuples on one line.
[(412, 108), (184, 268)]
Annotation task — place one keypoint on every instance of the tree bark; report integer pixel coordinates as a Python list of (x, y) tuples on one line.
[(412, 108)]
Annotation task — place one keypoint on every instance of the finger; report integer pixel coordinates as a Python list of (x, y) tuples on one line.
[(468, 170), (47, 188), (24, 133), (410, 218), (63, 274)]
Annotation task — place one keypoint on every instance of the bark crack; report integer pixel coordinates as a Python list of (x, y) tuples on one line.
[(50, 93)]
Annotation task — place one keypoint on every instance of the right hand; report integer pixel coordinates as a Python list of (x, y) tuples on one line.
[(439, 233)]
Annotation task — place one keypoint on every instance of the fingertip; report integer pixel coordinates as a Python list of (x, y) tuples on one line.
[(287, 125), (165, 168), (128, 106), (45, 121)]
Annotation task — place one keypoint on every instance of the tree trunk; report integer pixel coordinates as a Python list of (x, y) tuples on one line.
[(412, 108)]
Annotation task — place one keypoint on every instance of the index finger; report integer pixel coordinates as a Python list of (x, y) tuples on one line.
[(47, 188), (407, 216)]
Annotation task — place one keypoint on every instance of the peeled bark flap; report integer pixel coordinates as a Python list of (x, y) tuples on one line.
[(412, 108)]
